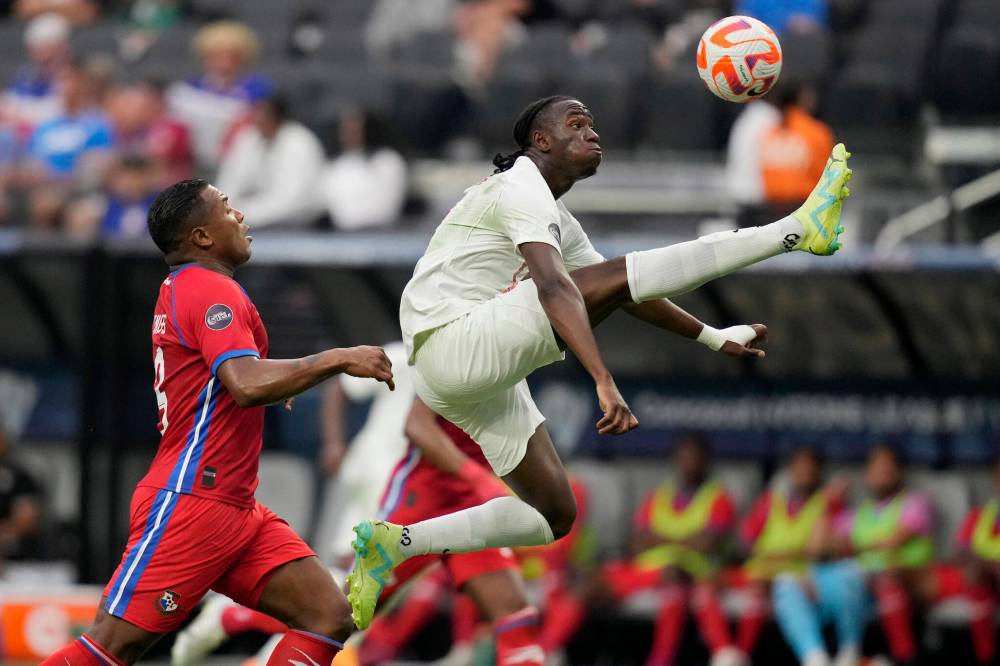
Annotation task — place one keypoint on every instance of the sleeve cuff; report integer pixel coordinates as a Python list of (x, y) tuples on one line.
[(548, 240), (234, 353)]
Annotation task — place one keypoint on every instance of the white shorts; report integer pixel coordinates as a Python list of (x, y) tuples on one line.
[(471, 371)]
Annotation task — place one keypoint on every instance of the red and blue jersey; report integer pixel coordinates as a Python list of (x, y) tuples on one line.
[(210, 446)]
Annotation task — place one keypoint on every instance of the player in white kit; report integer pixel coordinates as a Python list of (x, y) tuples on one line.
[(508, 281)]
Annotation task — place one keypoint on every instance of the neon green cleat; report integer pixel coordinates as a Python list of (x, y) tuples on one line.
[(820, 214), (376, 554)]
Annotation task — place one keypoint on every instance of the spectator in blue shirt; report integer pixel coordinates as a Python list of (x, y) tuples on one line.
[(62, 145), (786, 15), (68, 154)]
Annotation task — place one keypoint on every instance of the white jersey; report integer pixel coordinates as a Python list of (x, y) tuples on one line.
[(474, 254)]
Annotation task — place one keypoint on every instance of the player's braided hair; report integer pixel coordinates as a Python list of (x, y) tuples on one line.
[(522, 131), (170, 212)]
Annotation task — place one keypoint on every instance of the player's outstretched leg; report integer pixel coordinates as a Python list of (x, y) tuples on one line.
[(545, 513), (676, 269)]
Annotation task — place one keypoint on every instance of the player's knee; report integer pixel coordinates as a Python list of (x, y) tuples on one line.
[(561, 518), (330, 618)]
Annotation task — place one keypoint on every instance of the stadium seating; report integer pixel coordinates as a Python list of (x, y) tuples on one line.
[(287, 488), (878, 82), (59, 467), (968, 72), (806, 56), (677, 114)]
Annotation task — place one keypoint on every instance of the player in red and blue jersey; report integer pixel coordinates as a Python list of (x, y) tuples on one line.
[(195, 524)]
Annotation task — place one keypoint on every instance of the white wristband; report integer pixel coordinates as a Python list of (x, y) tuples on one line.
[(713, 338)]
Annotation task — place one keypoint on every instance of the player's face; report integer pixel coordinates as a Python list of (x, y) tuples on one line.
[(691, 461), (230, 236), (574, 141), (804, 472), (882, 474)]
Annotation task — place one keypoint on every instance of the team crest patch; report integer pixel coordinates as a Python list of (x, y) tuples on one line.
[(168, 603), (556, 232), (218, 317)]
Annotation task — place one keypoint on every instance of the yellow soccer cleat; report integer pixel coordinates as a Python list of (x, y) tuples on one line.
[(820, 214), (376, 554)]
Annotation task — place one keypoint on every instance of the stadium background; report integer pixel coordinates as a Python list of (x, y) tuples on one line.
[(895, 339)]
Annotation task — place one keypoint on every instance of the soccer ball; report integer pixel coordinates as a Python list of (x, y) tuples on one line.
[(739, 58)]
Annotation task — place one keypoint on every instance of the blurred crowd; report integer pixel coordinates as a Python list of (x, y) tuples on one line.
[(87, 140), (811, 551), (84, 148)]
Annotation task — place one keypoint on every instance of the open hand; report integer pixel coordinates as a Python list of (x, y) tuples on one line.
[(744, 347), (618, 418), (371, 362)]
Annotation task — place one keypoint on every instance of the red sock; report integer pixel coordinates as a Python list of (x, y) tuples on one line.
[(517, 639), (894, 615), (564, 612), (753, 619), (981, 625), (239, 620), (464, 619), (711, 620), (303, 647), (668, 626), (84, 651)]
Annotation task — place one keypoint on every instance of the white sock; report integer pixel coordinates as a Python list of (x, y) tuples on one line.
[(816, 658), (504, 521), (677, 269)]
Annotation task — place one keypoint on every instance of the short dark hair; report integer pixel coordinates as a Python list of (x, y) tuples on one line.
[(888, 449), (522, 130), (277, 104), (810, 451), (696, 440), (788, 92), (171, 211)]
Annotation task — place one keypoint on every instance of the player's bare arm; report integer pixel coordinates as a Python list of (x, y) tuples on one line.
[(665, 314), (564, 306), (435, 446), (254, 382)]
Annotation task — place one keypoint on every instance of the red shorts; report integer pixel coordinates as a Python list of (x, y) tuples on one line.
[(624, 579), (180, 546), (417, 491)]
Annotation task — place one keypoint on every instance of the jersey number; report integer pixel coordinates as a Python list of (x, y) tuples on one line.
[(161, 398)]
